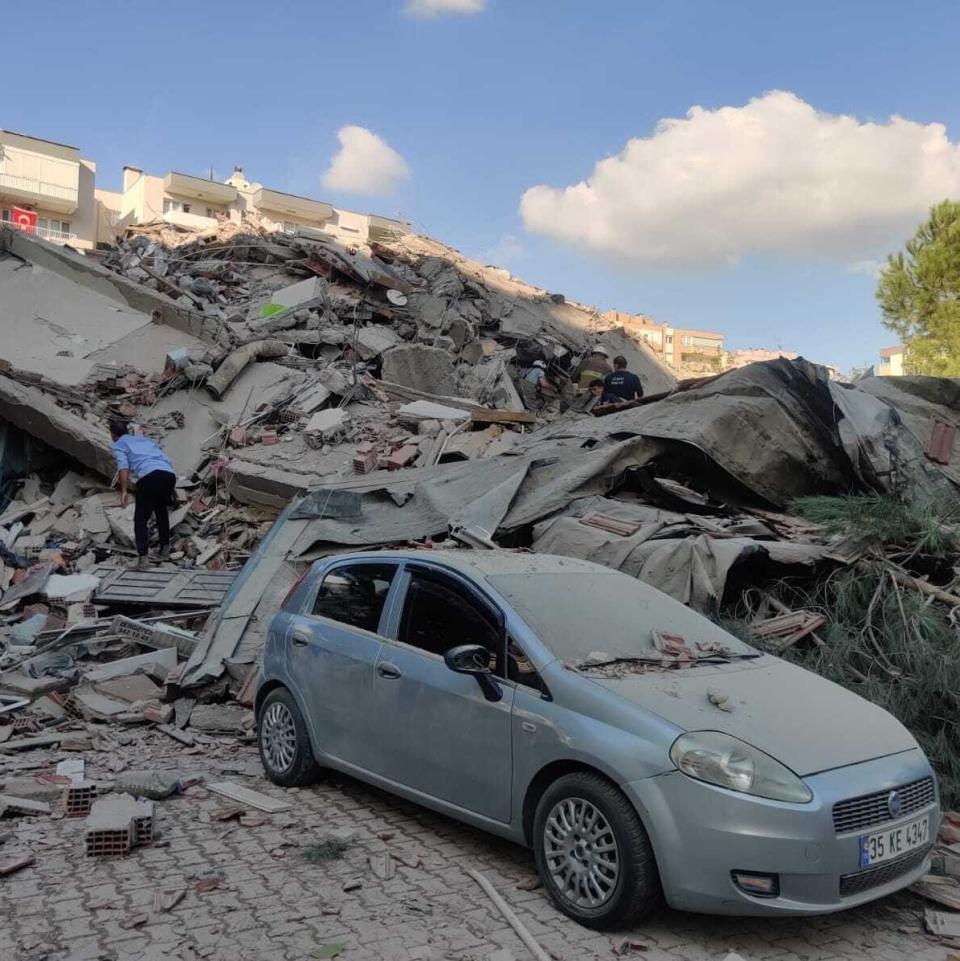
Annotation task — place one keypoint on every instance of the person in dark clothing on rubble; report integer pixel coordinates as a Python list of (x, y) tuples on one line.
[(155, 478), (622, 384), (598, 395)]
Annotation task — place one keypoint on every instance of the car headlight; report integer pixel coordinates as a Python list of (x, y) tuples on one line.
[(731, 763)]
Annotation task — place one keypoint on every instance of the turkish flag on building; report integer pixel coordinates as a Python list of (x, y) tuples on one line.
[(25, 220)]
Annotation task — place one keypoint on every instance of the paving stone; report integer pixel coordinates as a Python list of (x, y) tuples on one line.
[(275, 907)]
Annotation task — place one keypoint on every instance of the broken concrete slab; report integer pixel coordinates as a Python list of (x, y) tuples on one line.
[(423, 368), (423, 410), (374, 339), (9, 804), (36, 412), (328, 423), (219, 718), (94, 705), (133, 689), (159, 662), (93, 517), (67, 489), (299, 293)]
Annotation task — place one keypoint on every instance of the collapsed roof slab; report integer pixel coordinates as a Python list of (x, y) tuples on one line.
[(35, 412), (63, 315)]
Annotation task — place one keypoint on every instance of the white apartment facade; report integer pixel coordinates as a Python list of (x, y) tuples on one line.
[(54, 184), (199, 202), (54, 190)]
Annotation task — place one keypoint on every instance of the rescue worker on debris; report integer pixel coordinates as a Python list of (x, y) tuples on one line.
[(536, 373), (622, 383), (597, 395), (155, 479), (594, 365)]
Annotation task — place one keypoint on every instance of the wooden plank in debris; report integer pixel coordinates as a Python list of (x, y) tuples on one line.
[(944, 891), (612, 525), (159, 588), (484, 415), (15, 863), (785, 629), (252, 799)]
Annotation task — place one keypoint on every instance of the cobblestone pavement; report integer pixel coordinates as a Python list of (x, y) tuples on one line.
[(275, 905)]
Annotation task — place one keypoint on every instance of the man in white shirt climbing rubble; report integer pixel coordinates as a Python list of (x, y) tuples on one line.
[(155, 479)]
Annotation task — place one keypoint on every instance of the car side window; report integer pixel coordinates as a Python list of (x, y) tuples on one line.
[(439, 614), (355, 595)]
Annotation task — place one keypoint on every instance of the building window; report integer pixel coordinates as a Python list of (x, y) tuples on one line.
[(56, 226), (174, 206), (211, 212)]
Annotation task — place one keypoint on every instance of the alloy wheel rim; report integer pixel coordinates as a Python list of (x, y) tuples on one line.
[(581, 853), (278, 735)]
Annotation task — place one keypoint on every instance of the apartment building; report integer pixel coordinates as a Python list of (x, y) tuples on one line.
[(892, 361), (200, 202), (47, 189), (686, 350)]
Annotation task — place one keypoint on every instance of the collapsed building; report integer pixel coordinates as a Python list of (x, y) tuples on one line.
[(316, 397)]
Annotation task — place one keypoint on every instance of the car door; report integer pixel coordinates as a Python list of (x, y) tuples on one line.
[(332, 649), (438, 733)]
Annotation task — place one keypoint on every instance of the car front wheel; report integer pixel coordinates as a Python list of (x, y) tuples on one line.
[(284, 742), (593, 854)]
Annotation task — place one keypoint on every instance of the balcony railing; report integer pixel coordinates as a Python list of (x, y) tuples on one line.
[(39, 188), (45, 233)]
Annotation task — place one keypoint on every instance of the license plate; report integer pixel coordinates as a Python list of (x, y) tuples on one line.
[(893, 842)]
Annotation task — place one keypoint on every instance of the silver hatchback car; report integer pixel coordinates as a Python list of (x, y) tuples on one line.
[(640, 750)]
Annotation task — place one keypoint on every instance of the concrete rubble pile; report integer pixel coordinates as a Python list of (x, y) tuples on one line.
[(316, 398)]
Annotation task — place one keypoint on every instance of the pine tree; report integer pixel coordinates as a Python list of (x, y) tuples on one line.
[(919, 294)]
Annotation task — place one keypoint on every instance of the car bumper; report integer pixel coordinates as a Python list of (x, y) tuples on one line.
[(701, 834)]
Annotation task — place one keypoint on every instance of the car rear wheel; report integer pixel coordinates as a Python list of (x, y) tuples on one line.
[(284, 742), (593, 854)]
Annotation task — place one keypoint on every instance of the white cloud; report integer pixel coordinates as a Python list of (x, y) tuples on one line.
[(775, 175), (440, 8), (364, 164), (870, 267)]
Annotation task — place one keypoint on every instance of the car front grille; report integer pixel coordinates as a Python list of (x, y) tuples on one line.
[(871, 809), (882, 873)]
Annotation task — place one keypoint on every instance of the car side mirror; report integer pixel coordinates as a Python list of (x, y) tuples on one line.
[(474, 659)]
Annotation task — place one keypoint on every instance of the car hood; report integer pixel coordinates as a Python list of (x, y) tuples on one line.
[(805, 722)]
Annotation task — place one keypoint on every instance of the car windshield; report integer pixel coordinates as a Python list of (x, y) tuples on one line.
[(593, 617)]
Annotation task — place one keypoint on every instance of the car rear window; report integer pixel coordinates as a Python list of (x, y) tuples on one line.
[(355, 594), (577, 615)]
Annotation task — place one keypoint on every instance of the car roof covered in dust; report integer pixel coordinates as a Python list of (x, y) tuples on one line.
[(488, 562)]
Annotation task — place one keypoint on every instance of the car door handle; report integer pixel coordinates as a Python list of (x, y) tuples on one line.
[(300, 639), (388, 670)]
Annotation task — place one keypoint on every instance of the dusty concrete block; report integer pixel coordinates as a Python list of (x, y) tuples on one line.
[(429, 369), (328, 423)]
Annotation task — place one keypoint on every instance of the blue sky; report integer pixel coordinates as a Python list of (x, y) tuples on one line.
[(484, 107)]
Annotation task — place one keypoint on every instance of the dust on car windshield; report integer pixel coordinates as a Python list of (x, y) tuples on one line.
[(597, 619)]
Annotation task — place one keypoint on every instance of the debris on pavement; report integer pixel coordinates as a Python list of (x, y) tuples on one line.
[(254, 799), (316, 397)]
